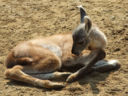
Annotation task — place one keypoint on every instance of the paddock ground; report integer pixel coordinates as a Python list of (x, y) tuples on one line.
[(26, 19)]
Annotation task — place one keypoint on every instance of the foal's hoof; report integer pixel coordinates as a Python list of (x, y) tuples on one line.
[(105, 66), (72, 78)]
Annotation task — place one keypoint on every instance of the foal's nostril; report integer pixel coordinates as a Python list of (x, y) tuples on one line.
[(72, 51)]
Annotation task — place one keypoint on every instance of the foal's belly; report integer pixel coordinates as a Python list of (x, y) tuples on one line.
[(53, 48)]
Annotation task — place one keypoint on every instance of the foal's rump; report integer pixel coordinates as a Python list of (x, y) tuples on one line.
[(38, 57)]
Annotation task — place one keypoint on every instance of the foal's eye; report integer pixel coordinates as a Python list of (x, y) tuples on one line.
[(81, 42)]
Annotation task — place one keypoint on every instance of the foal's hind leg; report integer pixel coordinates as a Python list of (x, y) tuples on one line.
[(16, 73), (53, 75)]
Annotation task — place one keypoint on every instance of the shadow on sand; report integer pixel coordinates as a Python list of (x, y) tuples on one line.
[(95, 78)]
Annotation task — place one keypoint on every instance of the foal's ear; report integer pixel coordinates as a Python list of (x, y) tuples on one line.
[(88, 24), (82, 13)]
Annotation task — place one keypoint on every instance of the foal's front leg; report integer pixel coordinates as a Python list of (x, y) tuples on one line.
[(88, 61)]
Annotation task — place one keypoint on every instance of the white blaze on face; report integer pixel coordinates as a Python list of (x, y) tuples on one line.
[(55, 49)]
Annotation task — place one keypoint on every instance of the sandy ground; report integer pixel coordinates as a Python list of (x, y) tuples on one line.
[(25, 19)]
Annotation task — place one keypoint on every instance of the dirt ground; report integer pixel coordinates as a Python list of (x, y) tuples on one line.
[(26, 19)]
